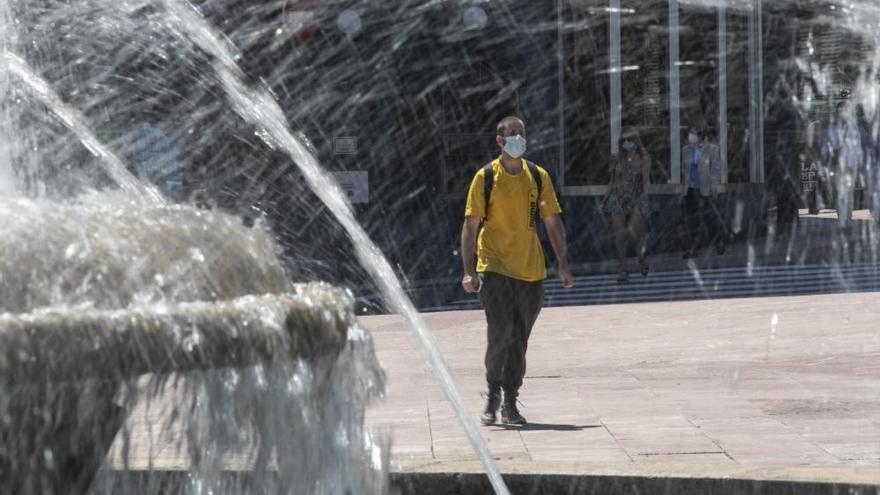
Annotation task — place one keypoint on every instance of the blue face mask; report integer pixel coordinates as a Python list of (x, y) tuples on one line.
[(628, 144), (515, 146)]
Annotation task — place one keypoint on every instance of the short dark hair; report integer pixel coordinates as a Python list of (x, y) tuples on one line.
[(505, 122)]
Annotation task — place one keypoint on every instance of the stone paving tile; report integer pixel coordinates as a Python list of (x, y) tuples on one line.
[(712, 457), (764, 440), (645, 440), (591, 443), (843, 438)]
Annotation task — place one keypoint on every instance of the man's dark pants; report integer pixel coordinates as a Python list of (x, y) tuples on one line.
[(704, 221), (511, 306)]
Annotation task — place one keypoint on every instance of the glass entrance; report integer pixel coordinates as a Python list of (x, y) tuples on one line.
[(659, 66)]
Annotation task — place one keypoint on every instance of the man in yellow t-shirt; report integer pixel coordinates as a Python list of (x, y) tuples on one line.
[(510, 266)]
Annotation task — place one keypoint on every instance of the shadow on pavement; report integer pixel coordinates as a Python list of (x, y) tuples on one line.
[(545, 427)]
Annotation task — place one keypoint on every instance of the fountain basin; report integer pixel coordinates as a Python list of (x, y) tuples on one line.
[(75, 345), (97, 293), (52, 363)]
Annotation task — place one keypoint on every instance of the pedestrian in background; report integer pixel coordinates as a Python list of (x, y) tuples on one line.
[(627, 199), (702, 185), (842, 150)]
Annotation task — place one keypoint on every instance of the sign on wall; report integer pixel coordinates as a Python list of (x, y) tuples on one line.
[(300, 20), (345, 145), (809, 176), (355, 185)]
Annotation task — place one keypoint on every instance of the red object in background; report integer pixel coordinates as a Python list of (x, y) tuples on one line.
[(300, 19)]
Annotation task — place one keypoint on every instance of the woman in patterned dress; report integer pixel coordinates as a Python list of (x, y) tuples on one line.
[(627, 198)]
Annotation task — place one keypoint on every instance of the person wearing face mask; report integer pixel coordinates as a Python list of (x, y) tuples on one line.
[(842, 151), (627, 199), (507, 197), (702, 179)]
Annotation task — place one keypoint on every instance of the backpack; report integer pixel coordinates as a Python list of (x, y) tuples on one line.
[(489, 182)]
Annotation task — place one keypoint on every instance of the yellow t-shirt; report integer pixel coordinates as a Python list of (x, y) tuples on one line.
[(508, 242)]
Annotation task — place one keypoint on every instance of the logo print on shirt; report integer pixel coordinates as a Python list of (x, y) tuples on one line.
[(533, 207)]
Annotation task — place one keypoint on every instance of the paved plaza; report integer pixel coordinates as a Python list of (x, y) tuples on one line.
[(785, 387)]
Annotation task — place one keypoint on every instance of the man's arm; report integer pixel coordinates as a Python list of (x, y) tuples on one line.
[(469, 282), (683, 176), (556, 232)]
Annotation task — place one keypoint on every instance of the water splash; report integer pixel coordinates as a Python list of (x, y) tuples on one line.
[(102, 254), (91, 301), (111, 163), (9, 142), (258, 107)]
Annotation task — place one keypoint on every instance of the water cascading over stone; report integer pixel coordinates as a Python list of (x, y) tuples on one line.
[(97, 293)]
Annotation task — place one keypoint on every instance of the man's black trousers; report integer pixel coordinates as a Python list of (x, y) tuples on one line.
[(511, 306), (703, 221)]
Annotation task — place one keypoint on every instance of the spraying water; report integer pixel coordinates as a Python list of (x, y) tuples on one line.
[(7, 145), (278, 376), (111, 163), (259, 108)]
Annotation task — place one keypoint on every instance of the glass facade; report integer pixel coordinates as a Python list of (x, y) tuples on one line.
[(659, 67), (409, 101)]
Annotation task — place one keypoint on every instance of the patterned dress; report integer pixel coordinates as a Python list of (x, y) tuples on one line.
[(626, 192)]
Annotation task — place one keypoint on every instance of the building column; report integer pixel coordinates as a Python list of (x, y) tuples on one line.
[(560, 53), (614, 72), (722, 89), (674, 96), (756, 95)]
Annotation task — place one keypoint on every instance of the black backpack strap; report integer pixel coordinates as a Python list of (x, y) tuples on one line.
[(488, 182), (536, 176)]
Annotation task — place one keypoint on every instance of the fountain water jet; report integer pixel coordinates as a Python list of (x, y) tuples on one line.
[(259, 108), (101, 289), (111, 163)]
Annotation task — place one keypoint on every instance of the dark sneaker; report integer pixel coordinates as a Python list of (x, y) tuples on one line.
[(510, 414), (489, 414), (719, 249)]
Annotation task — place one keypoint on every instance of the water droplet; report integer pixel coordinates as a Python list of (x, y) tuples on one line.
[(349, 22), (71, 250), (475, 18), (196, 255)]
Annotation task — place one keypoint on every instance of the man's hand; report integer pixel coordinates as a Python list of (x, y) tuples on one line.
[(470, 282), (566, 277), (556, 232)]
